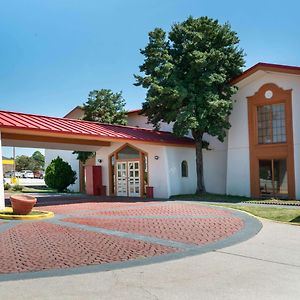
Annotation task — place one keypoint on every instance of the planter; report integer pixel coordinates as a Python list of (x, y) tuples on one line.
[(22, 204)]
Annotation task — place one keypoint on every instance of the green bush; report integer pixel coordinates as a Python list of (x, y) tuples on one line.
[(59, 175), (17, 188), (7, 186)]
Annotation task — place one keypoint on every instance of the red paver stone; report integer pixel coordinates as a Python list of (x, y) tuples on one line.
[(191, 231), (176, 209), (75, 207), (42, 246)]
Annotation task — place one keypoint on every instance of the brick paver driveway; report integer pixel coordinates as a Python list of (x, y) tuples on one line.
[(105, 235)]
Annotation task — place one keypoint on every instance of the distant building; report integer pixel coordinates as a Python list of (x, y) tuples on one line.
[(8, 164)]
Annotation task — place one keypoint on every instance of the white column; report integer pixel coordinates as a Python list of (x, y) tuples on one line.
[(2, 199)]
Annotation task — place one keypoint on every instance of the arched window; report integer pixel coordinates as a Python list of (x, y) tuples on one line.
[(184, 169)]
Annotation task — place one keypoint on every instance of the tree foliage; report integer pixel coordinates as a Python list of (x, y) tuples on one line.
[(59, 175), (103, 106), (35, 162), (23, 163), (187, 75)]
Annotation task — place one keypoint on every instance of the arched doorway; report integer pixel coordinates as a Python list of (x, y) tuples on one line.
[(128, 171)]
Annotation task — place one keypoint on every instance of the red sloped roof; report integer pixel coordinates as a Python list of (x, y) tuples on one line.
[(16, 120)]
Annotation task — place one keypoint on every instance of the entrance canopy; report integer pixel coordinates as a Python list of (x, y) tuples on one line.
[(27, 130), (36, 131)]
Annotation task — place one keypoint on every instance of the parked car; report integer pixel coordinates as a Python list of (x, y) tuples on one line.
[(27, 174), (11, 174)]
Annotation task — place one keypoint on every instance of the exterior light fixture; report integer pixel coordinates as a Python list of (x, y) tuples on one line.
[(156, 157)]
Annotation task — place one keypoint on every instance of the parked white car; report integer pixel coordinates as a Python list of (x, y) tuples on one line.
[(12, 174), (27, 174)]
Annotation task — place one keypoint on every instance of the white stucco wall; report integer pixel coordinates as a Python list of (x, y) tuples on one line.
[(214, 161), (68, 157), (238, 162), (178, 184), (137, 120), (158, 177), (165, 173), (215, 167)]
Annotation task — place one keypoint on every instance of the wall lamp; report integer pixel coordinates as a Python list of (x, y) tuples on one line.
[(156, 157)]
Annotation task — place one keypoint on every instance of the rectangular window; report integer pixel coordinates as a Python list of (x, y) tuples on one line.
[(271, 124)]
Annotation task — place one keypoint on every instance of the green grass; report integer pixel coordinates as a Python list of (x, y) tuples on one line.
[(207, 197), (32, 213), (38, 190), (276, 214)]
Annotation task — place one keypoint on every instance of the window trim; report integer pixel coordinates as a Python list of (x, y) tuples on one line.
[(270, 151)]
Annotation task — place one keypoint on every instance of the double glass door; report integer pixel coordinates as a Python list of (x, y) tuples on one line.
[(273, 178), (128, 178)]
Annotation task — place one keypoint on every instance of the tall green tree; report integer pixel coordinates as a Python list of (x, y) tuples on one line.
[(23, 162), (103, 106), (187, 75), (37, 161)]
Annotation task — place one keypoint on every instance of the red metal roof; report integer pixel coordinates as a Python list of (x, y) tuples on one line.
[(43, 124)]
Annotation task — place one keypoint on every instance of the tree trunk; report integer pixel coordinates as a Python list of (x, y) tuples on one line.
[(199, 162)]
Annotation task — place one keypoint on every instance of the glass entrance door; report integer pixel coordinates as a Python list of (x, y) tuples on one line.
[(122, 178), (128, 178), (273, 178), (134, 181)]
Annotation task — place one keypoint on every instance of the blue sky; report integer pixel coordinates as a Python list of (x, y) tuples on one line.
[(53, 52)]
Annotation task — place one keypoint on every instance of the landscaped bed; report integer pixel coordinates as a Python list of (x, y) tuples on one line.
[(275, 202), (7, 214)]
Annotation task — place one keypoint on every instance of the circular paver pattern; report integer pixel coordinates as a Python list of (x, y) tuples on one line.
[(99, 236)]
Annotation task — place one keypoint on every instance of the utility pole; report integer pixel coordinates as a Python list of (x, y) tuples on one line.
[(14, 157)]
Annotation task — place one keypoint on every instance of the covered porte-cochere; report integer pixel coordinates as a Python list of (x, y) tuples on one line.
[(121, 151)]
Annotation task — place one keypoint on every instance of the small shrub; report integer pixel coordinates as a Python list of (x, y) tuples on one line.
[(59, 175), (17, 188), (7, 186)]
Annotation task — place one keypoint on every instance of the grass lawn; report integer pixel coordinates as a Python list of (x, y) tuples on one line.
[(277, 214), (211, 198), (207, 197), (31, 190), (38, 189)]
